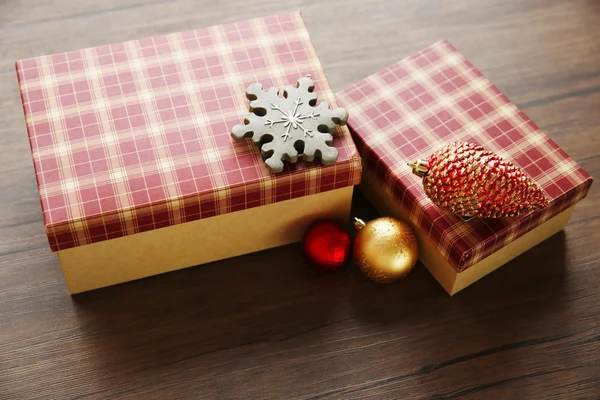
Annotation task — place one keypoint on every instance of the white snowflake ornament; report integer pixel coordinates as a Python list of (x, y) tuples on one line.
[(292, 126)]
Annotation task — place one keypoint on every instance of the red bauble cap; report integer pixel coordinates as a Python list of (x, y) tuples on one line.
[(327, 245)]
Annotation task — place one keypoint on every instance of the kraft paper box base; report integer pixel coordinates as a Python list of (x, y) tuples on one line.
[(449, 278), (154, 252), (136, 167)]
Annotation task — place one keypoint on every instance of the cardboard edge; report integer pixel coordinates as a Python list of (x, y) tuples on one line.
[(448, 277), (198, 242), (512, 250)]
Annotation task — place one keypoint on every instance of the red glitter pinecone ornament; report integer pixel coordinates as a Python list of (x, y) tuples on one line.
[(471, 181)]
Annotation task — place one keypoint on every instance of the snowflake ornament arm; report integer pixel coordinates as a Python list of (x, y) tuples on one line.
[(291, 126)]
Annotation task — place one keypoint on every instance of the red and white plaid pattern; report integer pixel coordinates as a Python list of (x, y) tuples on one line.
[(435, 97), (135, 136)]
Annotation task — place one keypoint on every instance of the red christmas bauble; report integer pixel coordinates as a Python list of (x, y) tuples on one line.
[(470, 181), (327, 245)]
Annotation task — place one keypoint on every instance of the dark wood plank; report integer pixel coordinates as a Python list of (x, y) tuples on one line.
[(266, 326)]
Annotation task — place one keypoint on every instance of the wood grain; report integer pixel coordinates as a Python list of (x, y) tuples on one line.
[(266, 326)]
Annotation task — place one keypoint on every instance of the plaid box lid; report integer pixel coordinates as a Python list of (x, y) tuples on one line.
[(436, 97), (135, 136)]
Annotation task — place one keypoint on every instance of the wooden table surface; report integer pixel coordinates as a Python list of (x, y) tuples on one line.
[(266, 326)]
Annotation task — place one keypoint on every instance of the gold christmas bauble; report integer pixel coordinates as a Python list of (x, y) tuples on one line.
[(385, 249)]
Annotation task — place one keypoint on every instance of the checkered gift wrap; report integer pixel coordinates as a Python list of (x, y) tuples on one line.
[(435, 97), (135, 136)]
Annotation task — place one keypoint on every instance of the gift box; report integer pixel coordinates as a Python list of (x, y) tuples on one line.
[(136, 169), (433, 98)]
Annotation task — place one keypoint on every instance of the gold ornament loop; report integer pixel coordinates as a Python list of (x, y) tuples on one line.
[(419, 167)]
